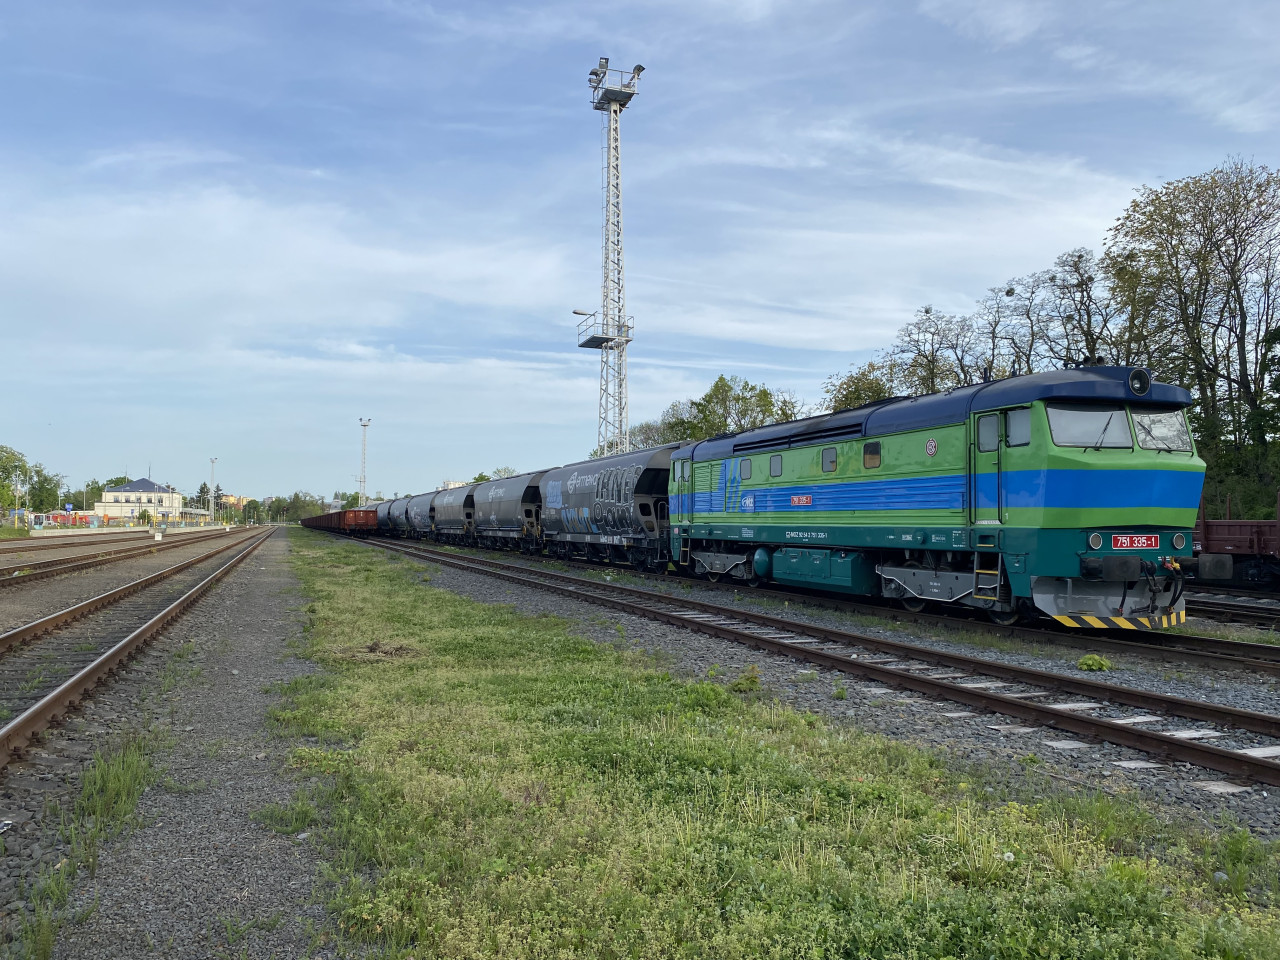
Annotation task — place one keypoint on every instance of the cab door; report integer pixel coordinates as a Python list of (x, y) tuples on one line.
[(680, 473), (986, 479)]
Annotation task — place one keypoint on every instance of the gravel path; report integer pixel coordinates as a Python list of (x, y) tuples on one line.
[(197, 878), (973, 739)]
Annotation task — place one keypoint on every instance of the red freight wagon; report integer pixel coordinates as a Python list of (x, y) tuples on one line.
[(355, 523)]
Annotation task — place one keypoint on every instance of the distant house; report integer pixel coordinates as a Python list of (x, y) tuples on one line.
[(126, 502)]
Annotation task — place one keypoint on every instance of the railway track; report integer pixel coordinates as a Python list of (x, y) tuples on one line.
[(26, 572), (1235, 611), (1160, 645), (50, 664), (28, 545), (1020, 692)]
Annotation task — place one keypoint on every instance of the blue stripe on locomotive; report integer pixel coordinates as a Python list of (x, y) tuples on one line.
[(1052, 489)]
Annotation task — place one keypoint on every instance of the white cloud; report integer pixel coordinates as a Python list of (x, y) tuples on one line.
[(999, 21)]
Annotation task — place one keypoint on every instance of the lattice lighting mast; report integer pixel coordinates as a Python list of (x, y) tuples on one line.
[(609, 330), (364, 446)]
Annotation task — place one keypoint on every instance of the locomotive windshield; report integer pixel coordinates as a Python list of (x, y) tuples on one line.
[(1162, 429), (1077, 425)]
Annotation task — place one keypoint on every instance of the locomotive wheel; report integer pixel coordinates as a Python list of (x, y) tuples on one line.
[(1005, 618), (913, 604)]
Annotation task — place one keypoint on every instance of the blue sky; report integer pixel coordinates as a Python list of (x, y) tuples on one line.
[(232, 228)]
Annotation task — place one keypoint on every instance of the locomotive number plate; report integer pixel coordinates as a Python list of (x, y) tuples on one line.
[(804, 501), (1135, 541)]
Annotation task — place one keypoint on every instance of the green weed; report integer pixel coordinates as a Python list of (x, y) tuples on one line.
[(508, 789), (1093, 662)]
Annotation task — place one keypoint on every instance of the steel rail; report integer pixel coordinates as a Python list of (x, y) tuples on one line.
[(29, 631), (1205, 755), (1230, 610), (26, 545), (18, 732), (41, 569), (1158, 644)]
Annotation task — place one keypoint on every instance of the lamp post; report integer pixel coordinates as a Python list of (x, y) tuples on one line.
[(212, 461)]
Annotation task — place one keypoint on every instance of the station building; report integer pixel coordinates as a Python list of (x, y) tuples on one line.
[(127, 501)]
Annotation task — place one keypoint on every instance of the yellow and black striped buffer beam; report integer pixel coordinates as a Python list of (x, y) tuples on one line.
[(1124, 623)]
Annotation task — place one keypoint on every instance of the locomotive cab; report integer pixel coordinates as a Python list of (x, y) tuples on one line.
[(1083, 505)]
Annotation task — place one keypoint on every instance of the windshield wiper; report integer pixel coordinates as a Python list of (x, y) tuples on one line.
[(1154, 439), (1105, 427)]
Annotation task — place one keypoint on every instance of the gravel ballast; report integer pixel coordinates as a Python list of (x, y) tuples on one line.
[(1016, 757), (197, 877)]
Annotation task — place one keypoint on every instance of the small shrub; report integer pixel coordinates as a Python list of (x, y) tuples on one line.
[(840, 691), (748, 682), (1091, 661)]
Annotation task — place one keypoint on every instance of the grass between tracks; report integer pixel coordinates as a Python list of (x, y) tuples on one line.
[(488, 784)]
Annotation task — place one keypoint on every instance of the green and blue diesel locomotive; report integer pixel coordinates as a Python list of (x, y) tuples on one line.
[(1070, 494)]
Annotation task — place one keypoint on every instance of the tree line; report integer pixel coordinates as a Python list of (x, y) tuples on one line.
[(1187, 283)]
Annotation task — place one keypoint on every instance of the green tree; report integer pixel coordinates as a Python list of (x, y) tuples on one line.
[(13, 470), (144, 516), (302, 505), (85, 496), (480, 477), (45, 487), (863, 384)]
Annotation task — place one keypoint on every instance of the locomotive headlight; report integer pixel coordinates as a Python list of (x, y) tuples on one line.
[(1139, 382), (1095, 541), (1179, 541)]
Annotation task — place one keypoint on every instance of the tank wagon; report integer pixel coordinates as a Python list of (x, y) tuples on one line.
[(508, 513), (614, 508), (384, 519), (453, 515), (1070, 494), (396, 514), (417, 513)]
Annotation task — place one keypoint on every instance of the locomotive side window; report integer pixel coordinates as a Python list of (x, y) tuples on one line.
[(685, 468), (988, 433), (775, 465), (829, 460), (871, 455), (1017, 427), (746, 469)]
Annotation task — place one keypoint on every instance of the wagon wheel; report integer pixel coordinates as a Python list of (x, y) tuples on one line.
[(1005, 618)]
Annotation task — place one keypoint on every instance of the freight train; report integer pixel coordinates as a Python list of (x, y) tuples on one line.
[(1070, 494)]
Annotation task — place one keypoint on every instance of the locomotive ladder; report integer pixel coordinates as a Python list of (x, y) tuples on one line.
[(986, 583)]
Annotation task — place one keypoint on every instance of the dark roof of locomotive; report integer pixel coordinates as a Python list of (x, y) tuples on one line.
[(900, 414)]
